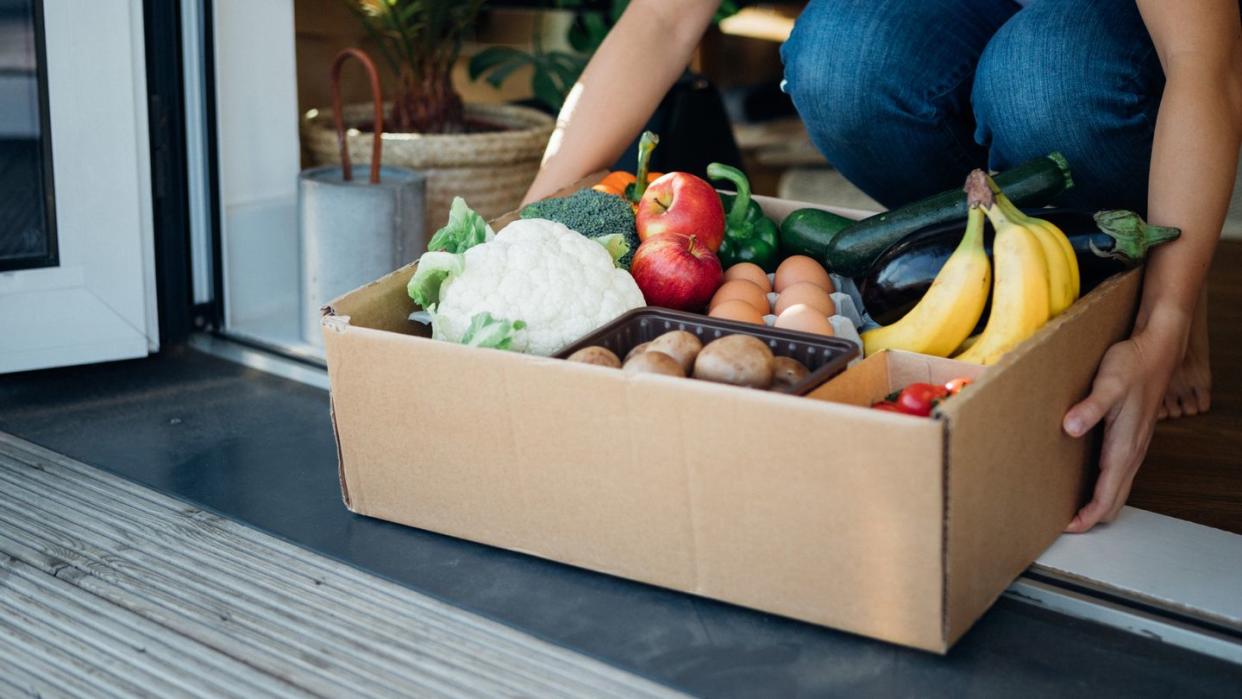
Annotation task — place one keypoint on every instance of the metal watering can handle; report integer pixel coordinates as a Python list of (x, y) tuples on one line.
[(377, 142)]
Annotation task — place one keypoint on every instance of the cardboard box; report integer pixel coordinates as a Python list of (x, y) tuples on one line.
[(893, 527)]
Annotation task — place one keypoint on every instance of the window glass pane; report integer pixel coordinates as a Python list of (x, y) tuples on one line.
[(27, 238)]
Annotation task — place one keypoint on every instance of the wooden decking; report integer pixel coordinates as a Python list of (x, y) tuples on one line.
[(111, 589)]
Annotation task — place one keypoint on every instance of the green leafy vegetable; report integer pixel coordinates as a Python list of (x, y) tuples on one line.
[(615, 245), (464, 230), (486, 331), (434, 268), (594, 215)]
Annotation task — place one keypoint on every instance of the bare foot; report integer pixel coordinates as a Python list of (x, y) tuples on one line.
[(1190, 389)]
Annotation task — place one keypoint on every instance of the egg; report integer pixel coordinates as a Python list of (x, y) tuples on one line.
[(803, 318), (751, 272), (741, 290), (800, 268), (806, 293), (736, 309)]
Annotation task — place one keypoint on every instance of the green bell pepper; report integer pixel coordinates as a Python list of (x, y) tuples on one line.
[(749, 235)]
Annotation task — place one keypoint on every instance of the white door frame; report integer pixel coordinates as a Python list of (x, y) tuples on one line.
[(99, 303)]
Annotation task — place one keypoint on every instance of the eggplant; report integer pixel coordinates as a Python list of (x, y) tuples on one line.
[(1105, 243)]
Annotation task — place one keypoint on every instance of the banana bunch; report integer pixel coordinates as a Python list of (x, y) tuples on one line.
[(1036, 278)]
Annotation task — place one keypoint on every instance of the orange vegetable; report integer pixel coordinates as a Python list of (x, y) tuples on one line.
[(616, 181), (625, 185)]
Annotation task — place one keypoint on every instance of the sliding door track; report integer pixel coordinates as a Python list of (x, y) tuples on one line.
[(1184, 628)]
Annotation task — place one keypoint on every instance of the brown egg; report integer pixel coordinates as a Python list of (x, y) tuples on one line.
[(806, 293), (800, 268), (751, 272), (741, 290), (803, 318), (736, 309)]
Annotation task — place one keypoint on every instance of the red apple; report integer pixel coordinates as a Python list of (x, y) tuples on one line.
[(676, 271), (679, 202)]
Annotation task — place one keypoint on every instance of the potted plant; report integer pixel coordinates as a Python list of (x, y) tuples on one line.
[(487, 154), (556, 65)]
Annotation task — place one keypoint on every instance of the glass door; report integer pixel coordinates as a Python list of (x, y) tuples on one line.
[(76, 255), (27, 212)]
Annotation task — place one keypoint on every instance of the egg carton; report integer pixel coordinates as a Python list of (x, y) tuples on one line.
[(848, 320)]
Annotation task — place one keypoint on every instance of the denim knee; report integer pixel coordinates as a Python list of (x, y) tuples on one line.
[(1080, 77), (832, 74), (883, 87)]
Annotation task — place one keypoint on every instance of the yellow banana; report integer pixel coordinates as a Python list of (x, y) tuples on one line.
[(1020, 291), (1067, 249), (1064, 283), (948, 312)]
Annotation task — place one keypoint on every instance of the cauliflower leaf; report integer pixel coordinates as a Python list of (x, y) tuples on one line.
[(434, 268), (464, 230), (486, 331)]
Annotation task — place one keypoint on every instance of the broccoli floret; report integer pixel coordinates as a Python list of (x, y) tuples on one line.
[(591, 213)]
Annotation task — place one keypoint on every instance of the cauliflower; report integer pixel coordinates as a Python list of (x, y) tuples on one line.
[(534, 287)]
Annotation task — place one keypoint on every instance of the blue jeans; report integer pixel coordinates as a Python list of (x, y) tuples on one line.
[(906, 97)]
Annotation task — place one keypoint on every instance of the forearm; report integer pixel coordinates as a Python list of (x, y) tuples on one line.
[(633, 69), (1193, 166)]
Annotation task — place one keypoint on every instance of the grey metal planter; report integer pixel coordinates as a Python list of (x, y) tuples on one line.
[(352, 232)]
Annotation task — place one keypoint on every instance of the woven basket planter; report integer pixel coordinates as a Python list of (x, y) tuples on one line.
[(491, 170)]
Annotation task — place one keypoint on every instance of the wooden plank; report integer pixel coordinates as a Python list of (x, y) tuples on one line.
[(312, 580), (47, 667), (155, 539), (219, 609), (34, 676), (193, 667), (120, 667), (338, 661), (250, 610)]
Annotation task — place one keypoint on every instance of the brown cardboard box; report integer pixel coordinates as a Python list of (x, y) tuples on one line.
[(894, 527)]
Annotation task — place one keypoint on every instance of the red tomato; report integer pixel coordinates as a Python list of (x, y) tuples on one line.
[(955, 386), (920, 398), (887, 406)]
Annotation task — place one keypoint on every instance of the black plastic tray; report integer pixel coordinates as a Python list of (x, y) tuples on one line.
[(824, 356)]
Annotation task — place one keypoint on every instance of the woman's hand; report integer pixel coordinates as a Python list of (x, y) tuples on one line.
[(1127, 394)]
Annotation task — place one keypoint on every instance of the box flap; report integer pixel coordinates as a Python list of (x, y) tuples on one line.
[(1002, 513)]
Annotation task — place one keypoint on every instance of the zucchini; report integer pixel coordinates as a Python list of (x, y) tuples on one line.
[(1107, 243), (807, 232), (1033, 183)]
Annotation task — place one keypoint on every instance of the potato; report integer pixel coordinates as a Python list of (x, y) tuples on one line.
[(680, 345), (651, 362), (740, 360), (601, 356), (637, 350), (787, 372)]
